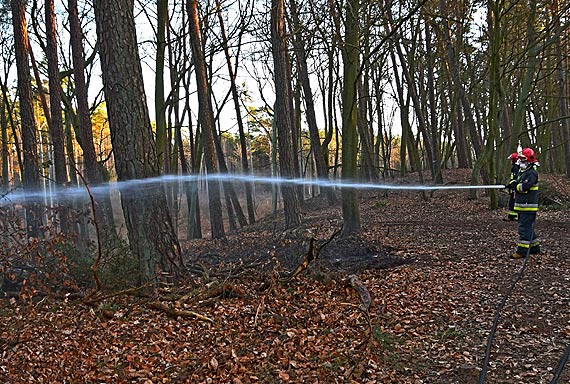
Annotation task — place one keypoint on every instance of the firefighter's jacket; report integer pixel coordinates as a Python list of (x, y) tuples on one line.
[(526, 190), (514, 172)]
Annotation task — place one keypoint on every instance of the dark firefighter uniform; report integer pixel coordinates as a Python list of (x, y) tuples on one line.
[(513, 215), (526, 205)]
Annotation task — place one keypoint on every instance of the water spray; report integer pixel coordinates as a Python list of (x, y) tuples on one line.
[(20, 196)]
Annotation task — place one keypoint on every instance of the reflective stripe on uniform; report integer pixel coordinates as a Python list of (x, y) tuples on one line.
[(526, 207), (520, 188)]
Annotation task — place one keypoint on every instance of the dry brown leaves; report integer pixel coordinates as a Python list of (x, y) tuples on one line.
[(430, 316)]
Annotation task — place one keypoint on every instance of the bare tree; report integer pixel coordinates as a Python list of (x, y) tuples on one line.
[(206, 118), (351, 64), (319, 152), (562, 85), (283, 111), (30, 171), (83, 127), (236, 100), (151, 234)]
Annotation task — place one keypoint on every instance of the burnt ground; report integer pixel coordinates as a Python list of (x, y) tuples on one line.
[(436, 270)]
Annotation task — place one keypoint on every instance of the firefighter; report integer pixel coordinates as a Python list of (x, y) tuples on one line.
[(526, 203), (513, 215)]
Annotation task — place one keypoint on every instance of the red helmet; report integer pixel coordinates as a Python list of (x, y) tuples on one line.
[(529, 155), (513, 157)]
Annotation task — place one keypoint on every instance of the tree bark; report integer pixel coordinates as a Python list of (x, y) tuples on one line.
[(55, 117), (83, 127), (242, 139), (159, 102), (5, 111), (562, 90), (30, 172), (435, 133), (206, 119), (283, 112), (56, 123), (457, 84), (350, 55), (150, 230)]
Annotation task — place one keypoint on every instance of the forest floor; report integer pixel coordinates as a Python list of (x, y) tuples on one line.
[(436, 271)]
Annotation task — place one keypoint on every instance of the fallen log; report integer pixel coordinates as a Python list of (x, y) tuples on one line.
[(175, 312)]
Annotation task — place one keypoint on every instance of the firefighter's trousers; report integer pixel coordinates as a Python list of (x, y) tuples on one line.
[(527, 235)]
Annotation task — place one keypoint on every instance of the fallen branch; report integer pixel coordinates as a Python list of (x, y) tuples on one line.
[(91, 300), (223, 291), (365, 300), (312, 254), (175, 312), (226, 291)]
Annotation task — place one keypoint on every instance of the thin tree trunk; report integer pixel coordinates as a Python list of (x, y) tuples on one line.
[(367, 170), (55, 117), (417, 105), (206, 119), (56, 126), (532, 50), (159, 102), (283, 112), (434, 142), (83, 127), (236, 99), (460, 91), (30, 171), (562, 90), (232, 201), (350, 54), (4, 112), (365, 132)]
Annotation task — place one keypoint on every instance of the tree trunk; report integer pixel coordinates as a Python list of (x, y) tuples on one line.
[(30, 172), (527, 82), (435, 133), (206, 119), (417, 105), (159, 102), (56, 123), (350, 55), (367, 170), (453, 66), (4, 113), (562, 90), (236, 99), (283, 112), (150, 230), (319, 153), (232, 202), (83, 127)]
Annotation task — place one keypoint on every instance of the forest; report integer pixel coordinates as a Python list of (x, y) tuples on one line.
[(321, 170)]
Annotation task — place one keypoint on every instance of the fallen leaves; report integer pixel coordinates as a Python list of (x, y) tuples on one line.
[(429, 314)]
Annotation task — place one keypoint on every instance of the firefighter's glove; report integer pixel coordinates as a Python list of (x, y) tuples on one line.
[(512, 186)]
